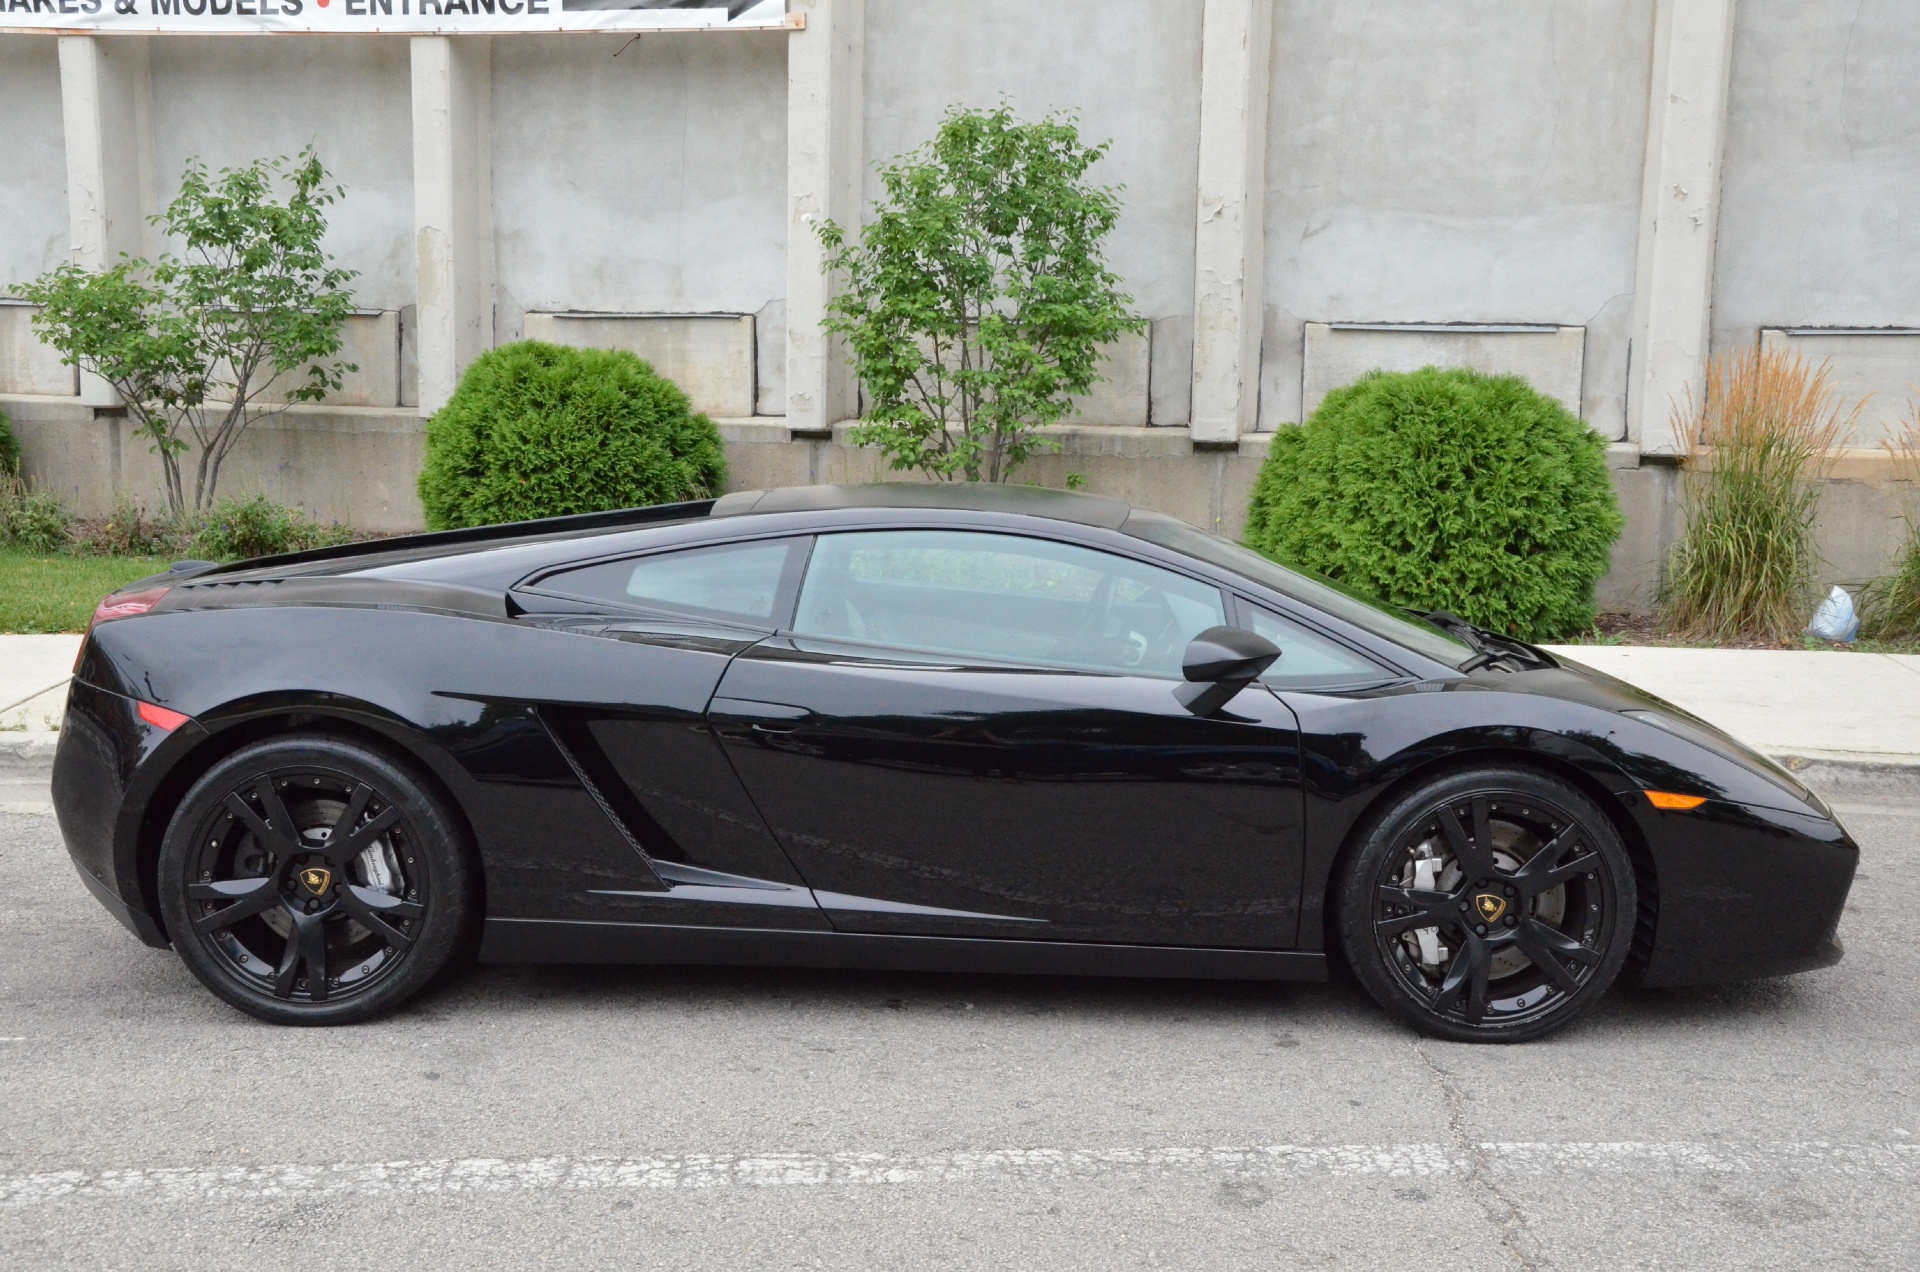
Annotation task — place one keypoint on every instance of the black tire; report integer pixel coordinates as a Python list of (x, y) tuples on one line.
[(1529, 889), (291, 929)]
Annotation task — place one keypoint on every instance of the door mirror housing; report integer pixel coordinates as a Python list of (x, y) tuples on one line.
[(1219, 663)]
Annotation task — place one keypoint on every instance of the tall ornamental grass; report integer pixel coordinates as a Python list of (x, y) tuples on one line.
[(1890, 606), (1743, 567)]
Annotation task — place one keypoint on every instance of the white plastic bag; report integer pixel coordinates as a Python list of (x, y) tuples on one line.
[(1835, 619)]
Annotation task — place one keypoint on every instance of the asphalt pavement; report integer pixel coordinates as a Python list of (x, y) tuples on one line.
[(587, 1117)]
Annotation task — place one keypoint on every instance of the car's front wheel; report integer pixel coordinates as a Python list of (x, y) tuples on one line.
[(1487, 906), (312, 880)]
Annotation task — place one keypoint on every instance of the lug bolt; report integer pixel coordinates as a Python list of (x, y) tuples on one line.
[(1512, 892), (1479, 929), (1513, 921)]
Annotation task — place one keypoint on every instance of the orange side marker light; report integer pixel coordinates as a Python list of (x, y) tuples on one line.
[(1674, 803), (160, 717)]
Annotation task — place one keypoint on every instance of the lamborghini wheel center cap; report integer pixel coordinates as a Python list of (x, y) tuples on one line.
[(1489, 906), (316, 880)]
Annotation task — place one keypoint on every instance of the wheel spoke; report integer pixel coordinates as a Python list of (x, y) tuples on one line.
[(1430, 909), (274, 831), (248, 897), (306, 947), (1562, 944), (1545, 870), (1531, 940), (1465, 983), (1473, 853), (342, 853), (378, 911)]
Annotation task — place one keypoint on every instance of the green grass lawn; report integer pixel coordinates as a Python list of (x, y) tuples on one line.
[(58, 593)]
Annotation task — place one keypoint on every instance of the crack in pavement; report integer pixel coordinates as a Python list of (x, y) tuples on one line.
[(1500, 1209)]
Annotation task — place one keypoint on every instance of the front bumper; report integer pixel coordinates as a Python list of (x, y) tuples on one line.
[(1746, 892)]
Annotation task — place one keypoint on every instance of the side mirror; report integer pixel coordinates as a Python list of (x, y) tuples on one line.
[(1219, 663)]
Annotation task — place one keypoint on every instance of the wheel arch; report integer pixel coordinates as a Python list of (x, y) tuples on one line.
[(357, 723), (1646, 876)]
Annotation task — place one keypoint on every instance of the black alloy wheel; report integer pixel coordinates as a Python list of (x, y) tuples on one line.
[(310, 880), (1488, 906)]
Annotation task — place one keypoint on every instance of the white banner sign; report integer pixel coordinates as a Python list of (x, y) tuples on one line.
[(363, 17)]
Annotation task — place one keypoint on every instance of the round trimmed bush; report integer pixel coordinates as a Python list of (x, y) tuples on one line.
[(541, 430), (1445, 490)]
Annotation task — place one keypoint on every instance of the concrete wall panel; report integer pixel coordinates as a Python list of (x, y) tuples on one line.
[(230, 101), (1129, 68), (1820, 214), (1549, 358), (33, 161), (27, 365), (710, 356), (649, 182), (1876, 370), (1476, 161)]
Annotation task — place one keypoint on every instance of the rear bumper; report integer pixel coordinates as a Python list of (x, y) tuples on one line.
[(106, 768)]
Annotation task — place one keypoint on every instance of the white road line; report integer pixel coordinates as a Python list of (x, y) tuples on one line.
[(775, 1170)]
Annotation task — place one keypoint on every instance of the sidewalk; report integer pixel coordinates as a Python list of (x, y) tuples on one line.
[(1860, 709)]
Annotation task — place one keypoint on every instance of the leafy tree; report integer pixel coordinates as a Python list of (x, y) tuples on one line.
[(193, 342), (977, 298)]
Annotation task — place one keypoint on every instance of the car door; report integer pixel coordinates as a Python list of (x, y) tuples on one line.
[(666, 624), (974, 733)]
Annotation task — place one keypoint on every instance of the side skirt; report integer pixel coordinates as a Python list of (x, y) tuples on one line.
[(578, 941)]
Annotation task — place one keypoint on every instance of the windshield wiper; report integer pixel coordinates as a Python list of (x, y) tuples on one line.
[(1489, 647)]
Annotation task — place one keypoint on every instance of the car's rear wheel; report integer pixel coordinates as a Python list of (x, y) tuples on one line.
[(312, 880), (1487, 906)]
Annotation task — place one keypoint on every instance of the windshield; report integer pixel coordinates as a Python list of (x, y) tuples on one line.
[(1416, 634)]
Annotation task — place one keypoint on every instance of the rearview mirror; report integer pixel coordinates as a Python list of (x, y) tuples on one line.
[(1219, 663)]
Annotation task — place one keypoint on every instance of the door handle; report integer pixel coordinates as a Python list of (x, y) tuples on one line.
[(767, 719)]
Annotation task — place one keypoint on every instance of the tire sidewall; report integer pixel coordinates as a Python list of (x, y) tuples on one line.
[(436, 837), (1354, 897)]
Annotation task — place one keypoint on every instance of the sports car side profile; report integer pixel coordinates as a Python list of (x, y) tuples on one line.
[(908, 726)]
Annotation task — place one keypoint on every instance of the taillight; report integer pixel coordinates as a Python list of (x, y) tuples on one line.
[(118, 605), (126, 604), (160, 717)]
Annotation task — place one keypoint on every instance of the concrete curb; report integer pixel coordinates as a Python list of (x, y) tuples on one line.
[(27, 755)]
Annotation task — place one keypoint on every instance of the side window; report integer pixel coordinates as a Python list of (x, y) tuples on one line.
[(737, 582), (1003, 597), (1311, 661)]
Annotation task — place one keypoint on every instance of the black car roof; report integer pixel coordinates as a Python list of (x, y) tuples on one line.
[(967, 496)]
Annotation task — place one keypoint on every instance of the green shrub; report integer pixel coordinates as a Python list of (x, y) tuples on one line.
[(1445, 490), (32, 519), (9, 449), (540, 430), (236, 529)]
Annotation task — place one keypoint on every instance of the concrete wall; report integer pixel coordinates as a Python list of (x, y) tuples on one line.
[(648, 182), (1130, 70), (1590, 171), (1477, 161), (230, 101), (1820, 224), (33, 161)]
